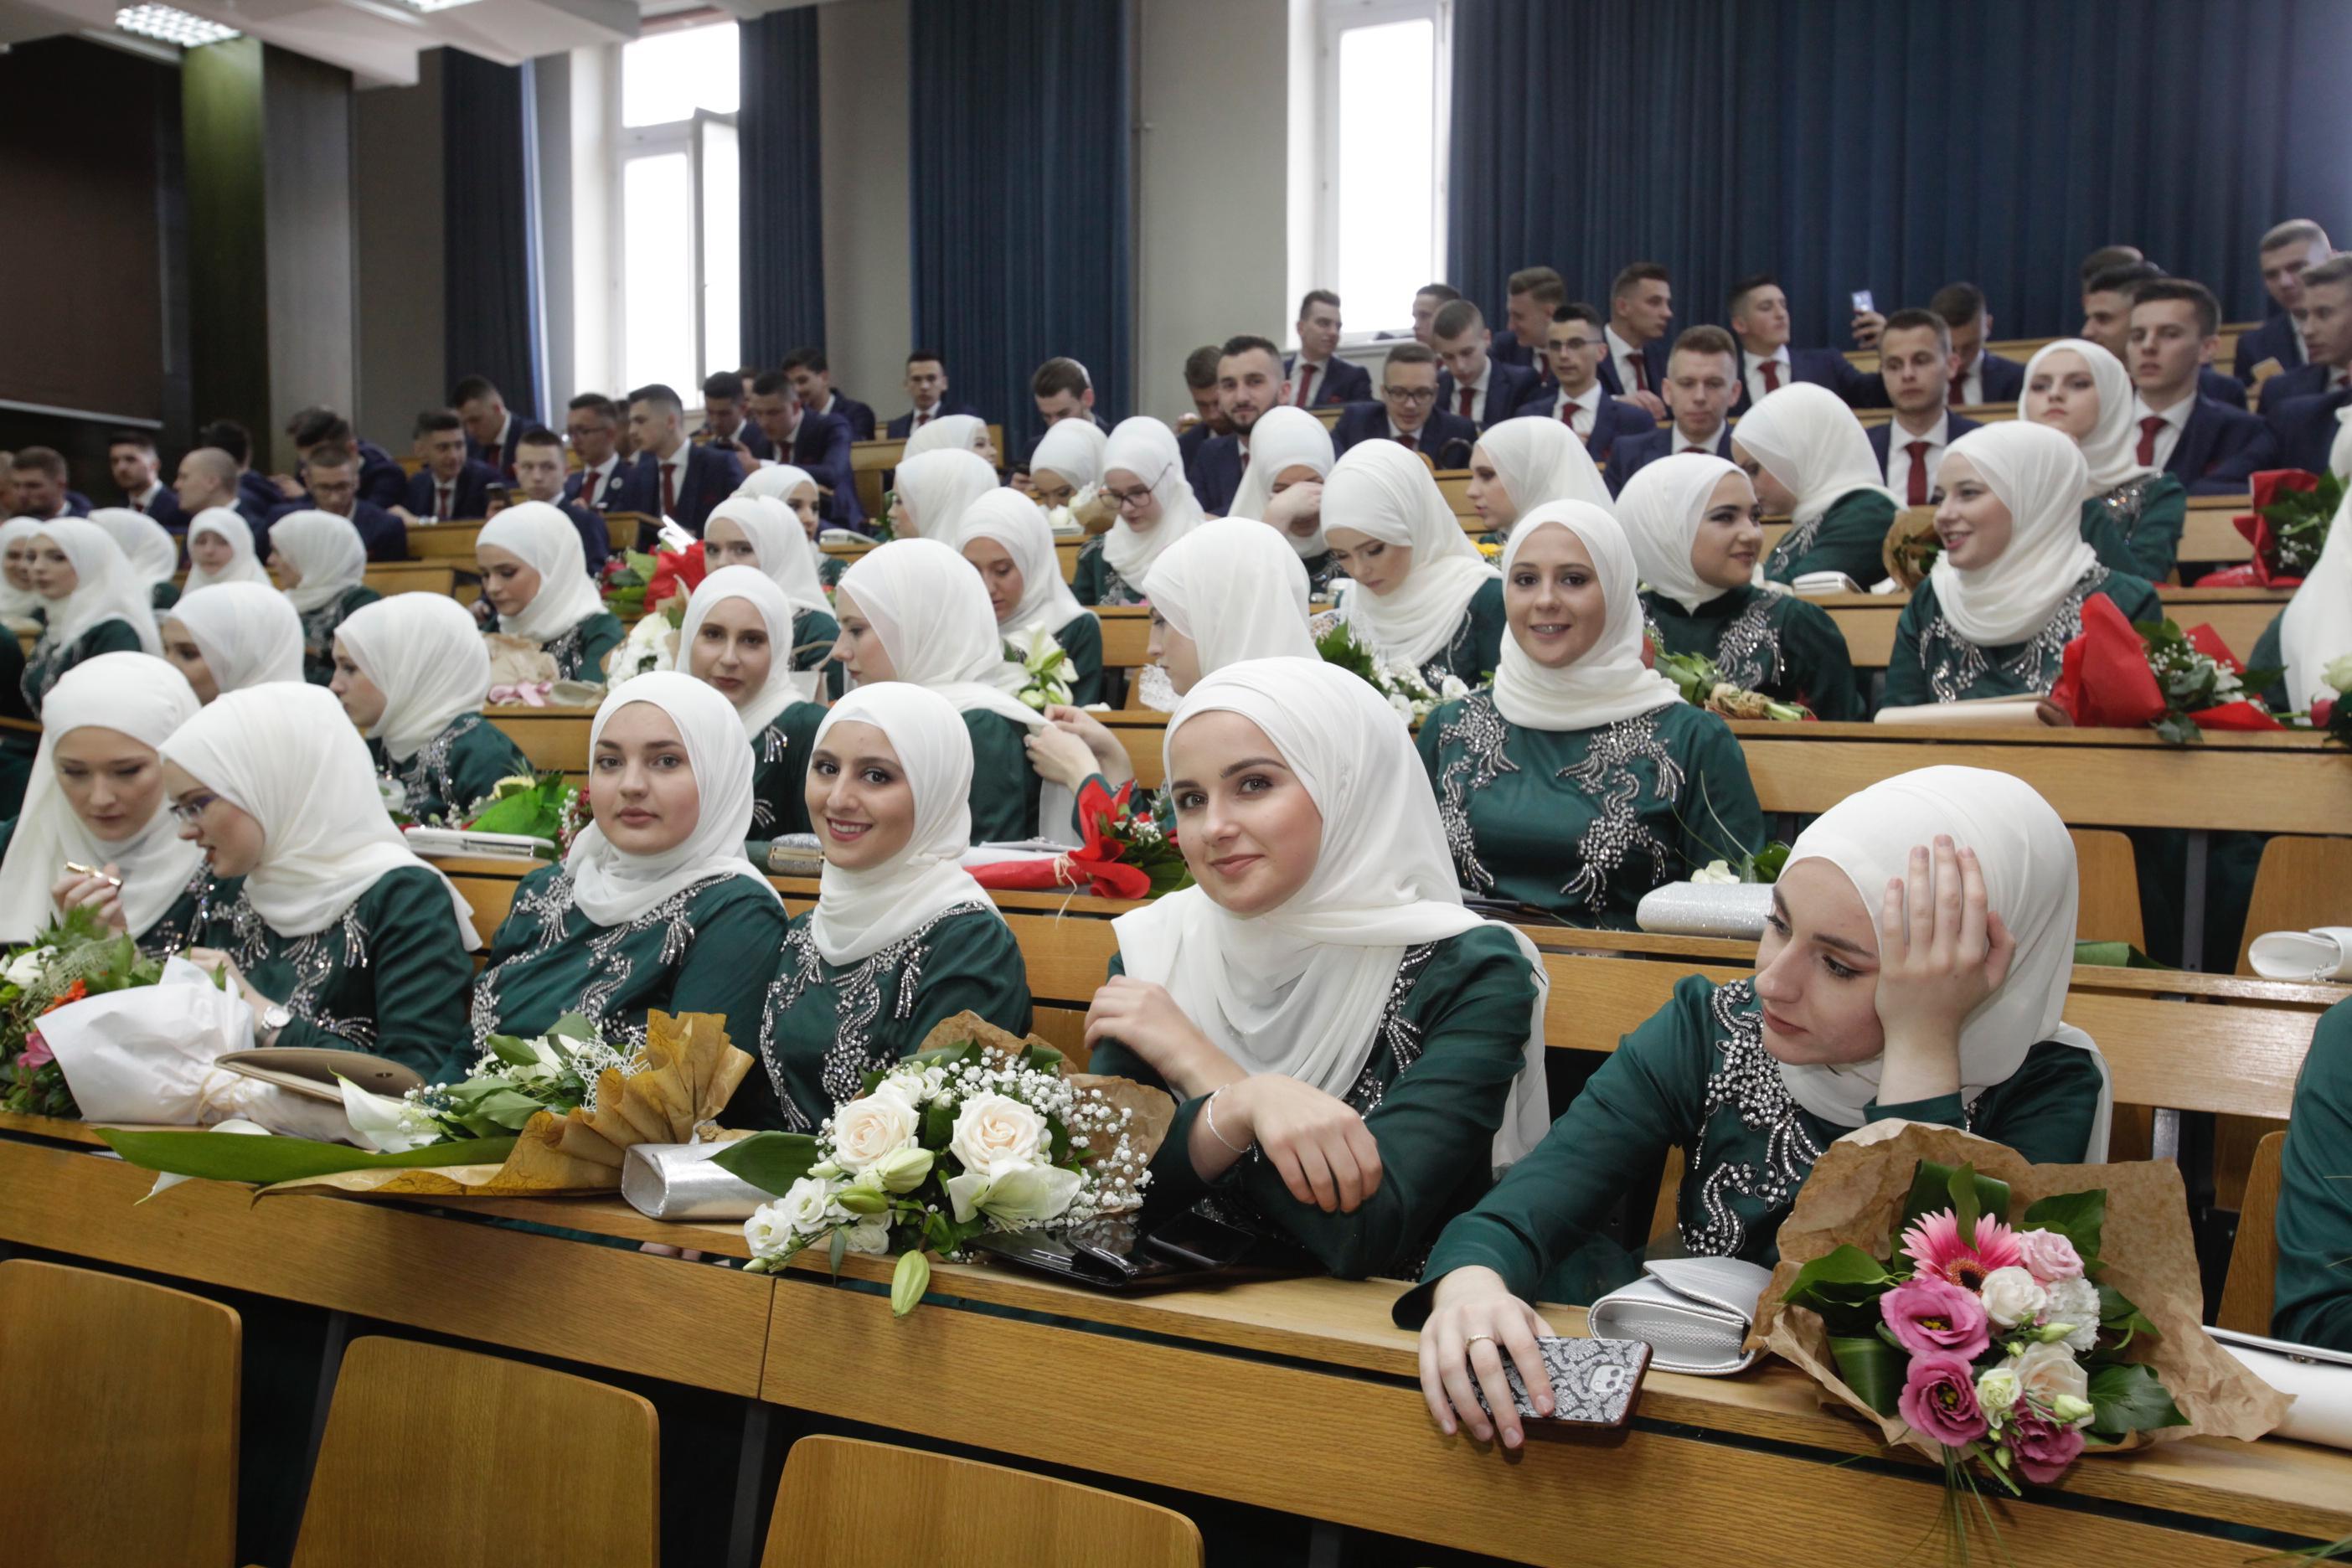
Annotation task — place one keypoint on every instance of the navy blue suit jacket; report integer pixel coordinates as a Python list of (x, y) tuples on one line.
[(1509, 388), (1216, 474), (2303, 381), (596, 533), (2274, 339), (1824, 367), (502, 460), (257, 490), (385, 536), (705, 477), (748, 435), (383, 481), (859, 417), (1653, 355), (1189, 443), (166, 510), (1635, 452), (1335, 383), (2221, 448), (822, 446), (470, 499), (616, 488), (1613, 418), (2225, 390), (2003, 379), (1882, 436), (1446, 438), (904, 425), (2306, 428), (1504, 348)]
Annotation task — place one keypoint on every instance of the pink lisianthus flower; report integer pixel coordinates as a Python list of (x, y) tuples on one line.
[(2049, 1257), (1929, 1317), (2043, 1449), (1939, 1399), (36, 1054), (1934, 1244)]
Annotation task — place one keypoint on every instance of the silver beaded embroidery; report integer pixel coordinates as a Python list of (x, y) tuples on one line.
[(773, 744), (317, 961), (1477, 726), (2126, 502), (613, 971), (1116, 589), (1749, 652), (1617, 835), (319, 629), (1954, 665), (428, 771), (568, 652), (1748, 1080), (1793, 545)]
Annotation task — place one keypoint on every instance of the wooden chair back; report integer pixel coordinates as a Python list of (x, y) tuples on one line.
[(122, 1429), (2301, 882), (2249, 1291), (970, 1514), (424, 1451), (2108, 907)]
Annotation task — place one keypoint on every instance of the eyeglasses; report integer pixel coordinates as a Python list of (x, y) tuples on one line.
[(1423, 395), (192, 811), (1127, 500)]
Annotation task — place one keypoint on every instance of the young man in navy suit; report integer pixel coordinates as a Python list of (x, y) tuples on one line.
[(491, 431), (1572, 390), (383, 482), (1318, 377), (926, 389), (813, 380), (538, 476), (450, 486), (42, 486), (2211, 447), (2320, 372), (207, 477), (1427, 300), (1207, 421), (673, 478), (725, 423), (2106, 321), (1757, 307), (1916, 366), (817, 443), (130, 456), (1533, 294), (1979, 375), (2304, 420), (2276, 345), (1701, 381), (1474, 386), (593, 422), (1249, 382), (332, 474), (1641, 314), (1408, 413)]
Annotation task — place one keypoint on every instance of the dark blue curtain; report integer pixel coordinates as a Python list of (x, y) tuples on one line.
[(1021, 184), (1848, 145), (489, 251), (783, 222)]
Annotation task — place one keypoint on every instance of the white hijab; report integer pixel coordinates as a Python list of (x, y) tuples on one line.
[(936, 487), (2339, 456), (928, 608), (612, 887), (784, 686), (1541, 460), (1814, 446), (1381, 490), (780, 545), (326, 550), (545, 540), (107, 588), (1146, 449), (286, 755), (1018, 525), (776, 481), (1610, 682), (2112, 449), (947, 433), (858, 913), (226, 522), (1299, 989), (1661, 508), (424, 653), (1283, 437), (2316, 630), (249, 633), (148, 545), (18, 603), (2037, 473), (135, 694), (1232, 587), (2029, 873), (1073, 448)]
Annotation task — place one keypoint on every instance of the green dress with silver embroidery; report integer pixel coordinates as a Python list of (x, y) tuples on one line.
[(454, 771), (580, 653), (319, 631), (813, 635), (2136, 527), (173, 931), (1081, 640), (1932, 662), (388, 975), (1697, 1077), (1005, 787), (1849, 537), (824, 1027), (163, 595), (1471, 653), (1097, 581), (1777, 643), (1431, 1092), (50, 659), (1581, 823), (1322, 570)]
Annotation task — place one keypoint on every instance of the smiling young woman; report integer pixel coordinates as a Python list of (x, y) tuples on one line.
[(220, 550), (535, 575), (2131, 514), (1009, 543), (93, 604), (412, 672), (771, 535)]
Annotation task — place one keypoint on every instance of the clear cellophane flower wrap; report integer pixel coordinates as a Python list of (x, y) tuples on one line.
[(1855, 1197), (1150, 1111), (687, 1073)]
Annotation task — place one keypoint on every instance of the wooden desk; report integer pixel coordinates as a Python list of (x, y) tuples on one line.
[(454, 542), (869, 460)]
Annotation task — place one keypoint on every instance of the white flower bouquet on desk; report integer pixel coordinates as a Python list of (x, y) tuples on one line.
[(977, 1131), (1403, 686)]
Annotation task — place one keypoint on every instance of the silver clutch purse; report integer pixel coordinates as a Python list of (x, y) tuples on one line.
[(1693, 1312), (677, 1181), (1732, 909)]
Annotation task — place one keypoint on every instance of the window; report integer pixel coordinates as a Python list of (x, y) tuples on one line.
[(1383, 122), (678, 295)]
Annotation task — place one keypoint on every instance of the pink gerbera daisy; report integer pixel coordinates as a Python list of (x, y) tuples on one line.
[(1933, 1243)]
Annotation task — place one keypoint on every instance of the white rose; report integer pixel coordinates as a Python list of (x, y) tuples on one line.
[(2046, 1372), (808, 1208), (28, 967), (1997, 1392), (1713, 873), (995, 1134), (2338, 673), (866, 1130), (766, 1232), (2010, 1297), (870, 1236), (2075, 1301)]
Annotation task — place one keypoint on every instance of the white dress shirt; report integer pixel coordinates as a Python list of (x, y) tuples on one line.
[(1625, 356), (1971, 391), (1478, 390), (595, 478), (1307, 379), (144, 500), (2176, 420), (1580, 411), (1898, 455), (1783, 372)]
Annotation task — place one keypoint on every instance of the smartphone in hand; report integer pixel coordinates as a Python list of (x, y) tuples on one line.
[(1592, 1381)]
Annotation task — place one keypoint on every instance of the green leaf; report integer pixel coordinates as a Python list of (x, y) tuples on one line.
[(1962, 1186), (574, 1026), (1843, 1286), (510, 1050), (837, 1249), (1872, 1367), (2119, 1316), (1043, 1058), (241, 1157), (2128, 1398), (2078, 1216), (939, 1124), (908, 1280), (770, 1162), (1931, 1193)]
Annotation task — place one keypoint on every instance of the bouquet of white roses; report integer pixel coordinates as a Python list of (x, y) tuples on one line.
[(1403, 685), (652, 645)]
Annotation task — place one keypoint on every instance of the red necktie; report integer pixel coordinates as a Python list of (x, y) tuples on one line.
[(1916, 492), (1640, 371), (1306, 384), (1960, 389), (1467, 394), (1568, 412), (140, 507), (2147, 429), (441, 513), (669, 488), (1771, 369), (1407, 443), (922, 419)]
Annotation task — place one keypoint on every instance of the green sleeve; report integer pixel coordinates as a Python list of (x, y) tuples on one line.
[(1907, 671), (600, 633), (483, 756), (2314, 1299), (166, 595), (2045, 1111), (813, 635), (1852, 539), (2155, 543), (1424, 739), (1817, 656), (2269, 654), (1081, 638), (974, 966), (1644, 1099), (2100, 532), (421, 972), (1086, 580), (107, 636), (738, 931), (1488, 626), (779, 785), (2134, 595), (1720, 813), (1005, 787)]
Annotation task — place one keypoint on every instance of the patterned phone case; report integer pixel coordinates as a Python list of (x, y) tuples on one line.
[(1592, 1381)]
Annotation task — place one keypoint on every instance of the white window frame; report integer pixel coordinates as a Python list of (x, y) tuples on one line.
[(630, 143), (1338, 16)]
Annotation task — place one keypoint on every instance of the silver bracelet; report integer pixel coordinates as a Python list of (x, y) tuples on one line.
[(1209, 1114)]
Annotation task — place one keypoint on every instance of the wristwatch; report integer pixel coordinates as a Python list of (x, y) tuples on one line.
[(274, 1020)]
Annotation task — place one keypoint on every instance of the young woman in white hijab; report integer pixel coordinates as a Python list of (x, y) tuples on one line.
[(1006, 538), (220, 550), (232, 635), (1353, 1052), (21, 605), (901, 938), (535, 576), (734, 641), (1810, 462), (339, 936), (929, 493), (1581, 779), (954, 433), (2131, 514), (1695, 528), (655, 905), (1914, 968), (148, 545), (1290, 457), (412, 671), (763, 534), (2006, 593), (320, 560), (796, 490), (94, 604), (1519, 465), (97, 801), (1067, 461), (1144, 483), (1423, 596)]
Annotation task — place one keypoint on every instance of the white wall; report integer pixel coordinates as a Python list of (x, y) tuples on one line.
[(869, 255)]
